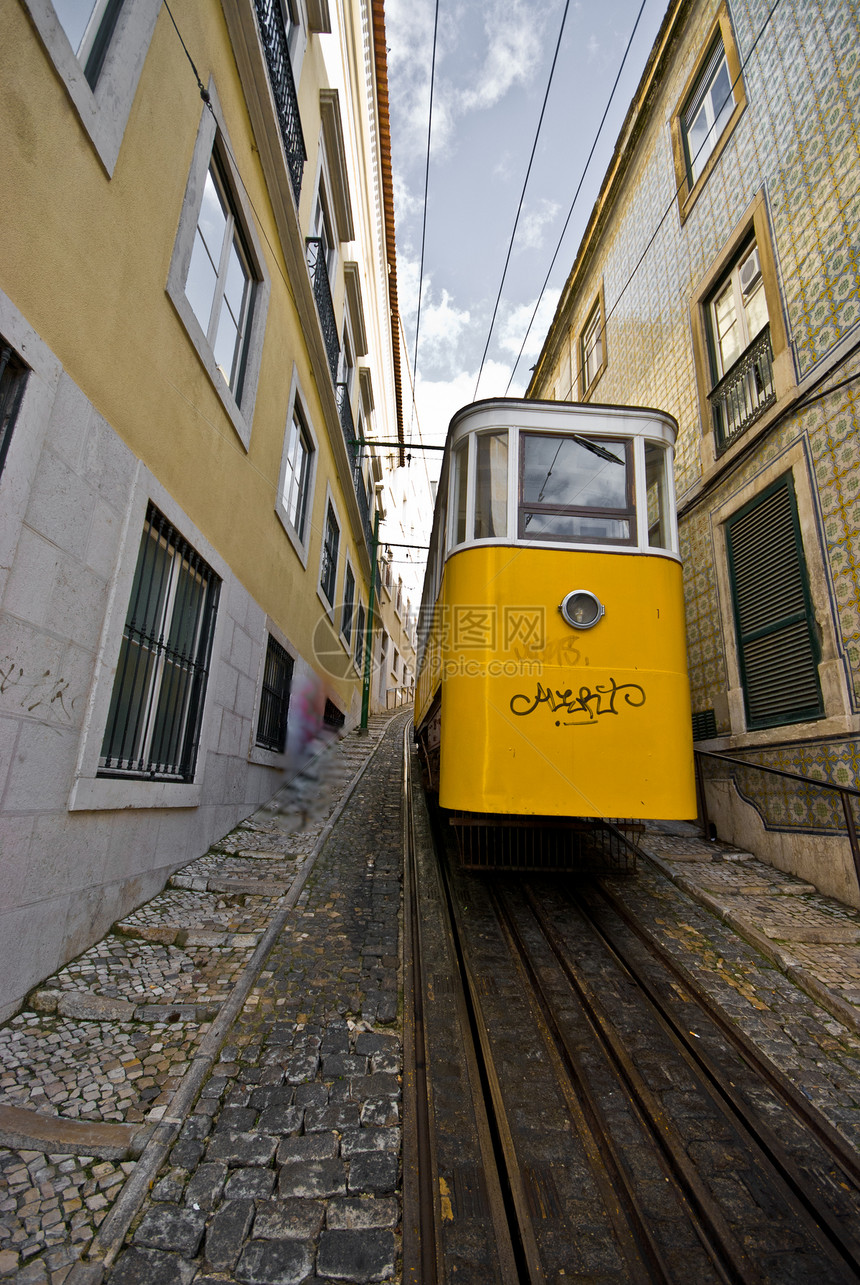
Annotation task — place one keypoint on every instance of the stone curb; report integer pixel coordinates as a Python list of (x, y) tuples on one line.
[(780, 957), (24, 1130)]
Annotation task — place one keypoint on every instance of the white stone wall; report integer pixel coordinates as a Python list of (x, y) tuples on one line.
[(77, 852)]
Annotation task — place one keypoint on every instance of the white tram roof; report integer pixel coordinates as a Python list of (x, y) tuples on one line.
[(590, 418)]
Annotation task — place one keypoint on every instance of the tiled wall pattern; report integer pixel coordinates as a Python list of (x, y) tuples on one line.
[(799, 141)]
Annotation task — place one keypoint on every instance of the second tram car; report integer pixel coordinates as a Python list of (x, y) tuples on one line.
[(552, 676)]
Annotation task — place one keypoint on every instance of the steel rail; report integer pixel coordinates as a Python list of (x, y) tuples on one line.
[(835, 1149), (819, 1218), (728, 1258)]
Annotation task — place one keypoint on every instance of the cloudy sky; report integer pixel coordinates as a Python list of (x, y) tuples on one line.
[(493, 60)]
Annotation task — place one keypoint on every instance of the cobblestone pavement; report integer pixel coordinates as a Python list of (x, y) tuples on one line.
[(232, 1049), (112, 1043)]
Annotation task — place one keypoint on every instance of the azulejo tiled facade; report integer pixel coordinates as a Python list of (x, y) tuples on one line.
[(680, 243)]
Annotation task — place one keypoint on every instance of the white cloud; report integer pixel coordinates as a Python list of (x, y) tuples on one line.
[(516, 323), (530, 230), (513, 52)]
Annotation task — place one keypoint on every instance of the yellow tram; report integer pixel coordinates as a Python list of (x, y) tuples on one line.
[(552, 677)]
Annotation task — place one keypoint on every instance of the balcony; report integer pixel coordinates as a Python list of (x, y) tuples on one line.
[(322, 293), (744, 393), (354, 451), (273, 37)]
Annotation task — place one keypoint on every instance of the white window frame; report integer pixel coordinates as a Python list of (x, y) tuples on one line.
[(299, 540), (702, 97), (211, 127), (329, 606), (103, 110)]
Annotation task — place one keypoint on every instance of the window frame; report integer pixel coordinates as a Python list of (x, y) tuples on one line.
[(628, 514), (743, 638), (754, 227), (333, 558), (103, 108), (162, 662), (595, 321), (299, 538), (688, 189), (281, 653), (213, 138), (346, 623)]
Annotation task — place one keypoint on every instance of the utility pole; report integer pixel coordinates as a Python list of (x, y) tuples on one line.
[(368, 636)]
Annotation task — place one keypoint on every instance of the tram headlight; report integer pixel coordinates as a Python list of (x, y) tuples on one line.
[(582, 609)]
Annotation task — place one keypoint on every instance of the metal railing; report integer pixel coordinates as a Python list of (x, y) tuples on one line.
[(785, 800), (318, 269), (744, 393), (353, 446), (276, 49)]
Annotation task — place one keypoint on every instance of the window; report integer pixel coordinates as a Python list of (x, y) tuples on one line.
[(740, 349), (156, 707), (98, 48), (328, 564), (491, 486), (360, 626), (218, 282), (275, 698), (657, 492), (13, 377), (219, 285), (89, 25), (774, 621), (459, 491), (332, 716), (708, 110), (348, 605), (296, 488), (576, 490), (591, 350)]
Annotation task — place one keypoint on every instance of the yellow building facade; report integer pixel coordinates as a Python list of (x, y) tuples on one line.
[(197, 347), (719, 279)]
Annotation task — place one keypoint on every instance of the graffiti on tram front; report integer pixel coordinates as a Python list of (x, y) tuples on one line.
[(583, 707)]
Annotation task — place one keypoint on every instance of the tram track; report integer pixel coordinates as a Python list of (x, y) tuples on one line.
[(634, 1135)]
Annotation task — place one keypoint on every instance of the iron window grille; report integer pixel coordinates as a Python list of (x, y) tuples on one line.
[(328, 570), (276, 50), (156, 709), (744, 394), (275, 698), (332, 716), (774, 620), (13, 377)]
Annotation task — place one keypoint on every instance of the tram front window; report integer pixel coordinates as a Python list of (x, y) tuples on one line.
[(576, 489)]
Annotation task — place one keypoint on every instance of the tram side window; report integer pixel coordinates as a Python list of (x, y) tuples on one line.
[(657, 495), (459, 492), (491, 490), (576, 489)]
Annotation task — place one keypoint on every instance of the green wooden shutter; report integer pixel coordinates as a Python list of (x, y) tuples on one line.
[(773, 610)]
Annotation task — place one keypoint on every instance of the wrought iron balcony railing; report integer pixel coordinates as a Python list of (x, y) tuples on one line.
[(273, 37), (322, 293), (353, 447), (744, 393)]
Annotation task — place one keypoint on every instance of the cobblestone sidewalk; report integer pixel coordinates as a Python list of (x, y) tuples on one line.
[(99, 1075)]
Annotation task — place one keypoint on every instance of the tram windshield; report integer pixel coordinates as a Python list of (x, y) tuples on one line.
[(576, 488)]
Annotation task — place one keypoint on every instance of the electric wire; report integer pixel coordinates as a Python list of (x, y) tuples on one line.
[(426, 189), (576, 193), (670, 206), (522, 196)]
